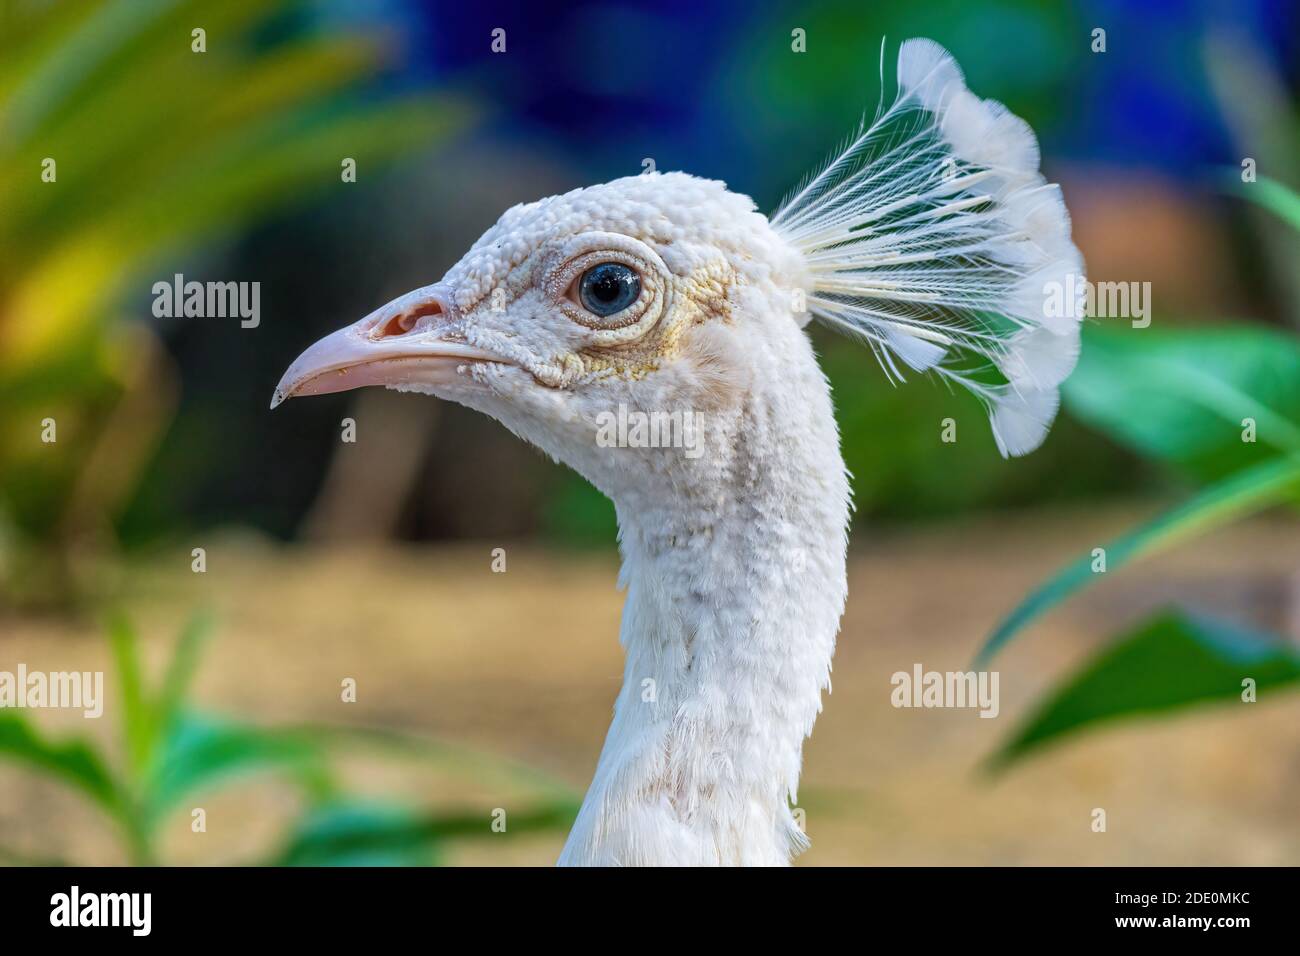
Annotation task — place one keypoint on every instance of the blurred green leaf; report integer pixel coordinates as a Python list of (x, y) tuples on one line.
[(370, 834), (158, 150), (180, 752), (1250, 491), (67, 67), (359, 834), (75, 761), (180, 672), (1169, 662), (1180, 396), (203, 752), (138, 727), (98, 146), (1272, 195)]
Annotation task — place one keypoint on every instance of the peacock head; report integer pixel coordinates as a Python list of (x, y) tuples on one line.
[(644, 296), (932, 238)]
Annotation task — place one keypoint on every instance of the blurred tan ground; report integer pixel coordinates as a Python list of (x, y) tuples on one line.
[(526, 664)]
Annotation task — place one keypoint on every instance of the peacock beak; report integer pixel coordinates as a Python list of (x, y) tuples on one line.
[(400, 344)]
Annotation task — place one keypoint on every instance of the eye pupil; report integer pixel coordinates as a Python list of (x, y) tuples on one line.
[(608, 288)]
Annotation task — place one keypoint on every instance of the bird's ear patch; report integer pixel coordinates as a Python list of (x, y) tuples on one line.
[(714, 352)]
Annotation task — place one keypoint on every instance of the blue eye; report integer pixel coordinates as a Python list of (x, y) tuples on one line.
[(608, 288)]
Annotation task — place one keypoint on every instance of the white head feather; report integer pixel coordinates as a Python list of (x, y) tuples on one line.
[(934, 238)]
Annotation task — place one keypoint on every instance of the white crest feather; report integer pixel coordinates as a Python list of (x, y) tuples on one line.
[(933, 238), (1021, 418)]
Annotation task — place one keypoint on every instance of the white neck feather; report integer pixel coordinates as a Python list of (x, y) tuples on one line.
[(732, 609)]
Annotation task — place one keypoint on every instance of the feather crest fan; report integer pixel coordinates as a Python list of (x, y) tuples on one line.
[(934, 238)]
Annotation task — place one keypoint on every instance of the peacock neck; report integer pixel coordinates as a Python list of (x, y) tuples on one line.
[(733, 602)]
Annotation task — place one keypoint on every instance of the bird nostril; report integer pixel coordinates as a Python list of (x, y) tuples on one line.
[(403, 322), (432, 307), (397, 325)]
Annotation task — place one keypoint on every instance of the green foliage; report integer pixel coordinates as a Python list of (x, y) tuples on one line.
[(1167, 663), (75, 762), (891, 438), (1183, 398), (368, 834), (577, 515), (158, 149), (811, 101), (358, 834), (172, 752), (1187, 399), (1272, 195), (1180, 396), (1248, 492), (200, 752)]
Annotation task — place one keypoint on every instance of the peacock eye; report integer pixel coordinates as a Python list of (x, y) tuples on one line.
[(608, 288)]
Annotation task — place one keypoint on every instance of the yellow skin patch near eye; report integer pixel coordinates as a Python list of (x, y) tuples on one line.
[(702, 296)]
